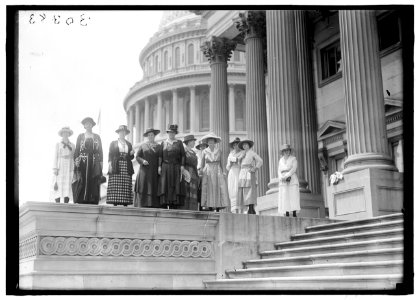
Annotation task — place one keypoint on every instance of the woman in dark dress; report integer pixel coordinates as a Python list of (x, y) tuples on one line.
[(88, 161), (172, 165), (147, 181), (190, 175), (120, 170)]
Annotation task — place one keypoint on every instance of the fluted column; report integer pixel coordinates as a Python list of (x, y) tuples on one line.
[(218, 52), (231, 107), (159, 122), (146, 113), (363, 88), (175, 107), (193, 114), (252, 26), (131, 123), (137, 122), (283, 102), (311, 170)]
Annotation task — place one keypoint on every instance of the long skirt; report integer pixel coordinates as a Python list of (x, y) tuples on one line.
[(120, 186), (214, 188), (288, 197), (247, 188), (171, 191), (86, 182), (191, 191), (63, 180), (233, 186)]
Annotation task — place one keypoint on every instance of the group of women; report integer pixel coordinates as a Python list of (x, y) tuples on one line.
[(172, 173)]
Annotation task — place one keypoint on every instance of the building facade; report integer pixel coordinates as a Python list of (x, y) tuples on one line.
[(328, 82)]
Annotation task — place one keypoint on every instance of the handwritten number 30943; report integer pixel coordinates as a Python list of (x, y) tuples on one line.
[(40, 18)]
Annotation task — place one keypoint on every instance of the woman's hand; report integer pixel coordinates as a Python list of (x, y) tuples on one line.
[(145, 163), (77, 161), (159, 170), (110, 168), (182, 168), (132, 152)]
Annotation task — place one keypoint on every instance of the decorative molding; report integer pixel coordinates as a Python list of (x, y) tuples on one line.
[(92, 246), (330, 127), (218, 49), (28, 246)]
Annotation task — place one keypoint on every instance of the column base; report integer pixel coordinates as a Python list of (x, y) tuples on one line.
[(312, 205), (363, 161), (366, 193), (273, 186)]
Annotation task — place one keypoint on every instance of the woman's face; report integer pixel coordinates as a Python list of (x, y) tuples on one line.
[(236, 146), (88, 125), (121, 134), (151, 136), (65, 135), (286, 152), (245, 146), (191, 144), (211, 142), (172, 135)]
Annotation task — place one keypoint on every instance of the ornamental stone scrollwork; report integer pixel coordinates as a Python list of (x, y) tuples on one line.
[(218, 49), (124, 247), (28, 246)]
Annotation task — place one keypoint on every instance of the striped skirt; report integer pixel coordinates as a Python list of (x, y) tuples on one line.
[(120, 186)]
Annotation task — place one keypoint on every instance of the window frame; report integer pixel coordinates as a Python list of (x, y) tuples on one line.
[(398, 45), (329, 42)]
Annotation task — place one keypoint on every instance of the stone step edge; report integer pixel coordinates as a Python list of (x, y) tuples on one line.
[(337, 224), (322, 266), (331, 255), (337, 237), (337, 230), (311, 278), (105, 273), (373, 242)]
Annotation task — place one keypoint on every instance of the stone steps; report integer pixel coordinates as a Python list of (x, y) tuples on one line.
[(331, 240), (336, 248), (334, 269), (310, 283), (343, 224), (398, 224), (351, 256)]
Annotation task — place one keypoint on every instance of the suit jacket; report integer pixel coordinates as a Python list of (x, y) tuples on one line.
[(114, 157)]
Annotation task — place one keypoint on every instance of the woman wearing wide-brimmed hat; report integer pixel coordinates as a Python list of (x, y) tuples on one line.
[(120, 169), (289, 190), (250, 163), (88, 159), (63, 167), (172, 165), (146, 184), (214, 193), (190, 178), (233, 168), (200, 147)]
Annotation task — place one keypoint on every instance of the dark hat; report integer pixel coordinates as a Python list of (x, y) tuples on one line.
[(200, 145), (65, 129), (155, 131), (188, 138), (249, 142), (123, 127), (236, 140), (285, 147), (172, 128), (88, 119)]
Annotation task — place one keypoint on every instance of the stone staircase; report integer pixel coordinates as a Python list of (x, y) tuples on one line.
[(350, 255)]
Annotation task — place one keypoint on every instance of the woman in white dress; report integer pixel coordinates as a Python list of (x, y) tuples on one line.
[(63, 167), (250, 163), (233, 168), (289, 191)]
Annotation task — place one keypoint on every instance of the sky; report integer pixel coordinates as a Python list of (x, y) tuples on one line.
[(73, 64)]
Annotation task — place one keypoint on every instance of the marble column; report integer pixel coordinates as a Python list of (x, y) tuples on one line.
[(218, 52), (131, 123), (137, 122), (284, 113), (175, 110), (252, 26), (146, 113), (231, 107), (311, 170), (193, 113), (363, 88), (159, 122)]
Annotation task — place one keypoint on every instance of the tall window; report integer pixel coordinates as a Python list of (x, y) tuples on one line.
[(330, 60), (240, 109), (165, 61), (190, 54), (177, 57), (204, 111), (236, 56), (388, 30), (156, 64)]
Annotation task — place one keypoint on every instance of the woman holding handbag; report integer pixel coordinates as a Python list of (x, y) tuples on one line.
[(63, 167), (120, 170)]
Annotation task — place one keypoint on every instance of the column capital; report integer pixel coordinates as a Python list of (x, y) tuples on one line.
[(218, 49), (231, 85), (192, 87), (251, 24)]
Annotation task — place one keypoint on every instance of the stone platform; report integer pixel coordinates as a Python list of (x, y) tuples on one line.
[(72, 246)]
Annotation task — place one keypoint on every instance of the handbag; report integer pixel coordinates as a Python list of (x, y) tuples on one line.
[(55, 184)]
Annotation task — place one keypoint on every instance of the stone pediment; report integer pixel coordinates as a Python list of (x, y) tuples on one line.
[(392, 105), (330, 128)]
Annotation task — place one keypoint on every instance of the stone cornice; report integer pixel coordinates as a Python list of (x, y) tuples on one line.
[(218, 49)]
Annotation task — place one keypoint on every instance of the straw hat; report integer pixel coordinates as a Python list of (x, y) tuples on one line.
[(65, 129), (236, 140), (155, 131), (123, 128), (211, 135), (88, 119), (200, 145), (249, 142), (285, 147), (188, 138)]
